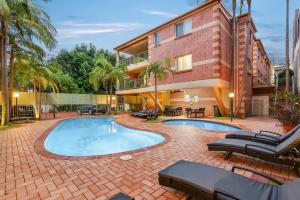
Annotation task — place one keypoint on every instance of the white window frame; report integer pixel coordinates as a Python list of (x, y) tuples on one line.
[(187, 26), (155, 38), (184, 63)]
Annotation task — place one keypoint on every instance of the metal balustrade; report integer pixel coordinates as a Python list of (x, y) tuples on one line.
[(140, 57), (132, 84), (263, 81)]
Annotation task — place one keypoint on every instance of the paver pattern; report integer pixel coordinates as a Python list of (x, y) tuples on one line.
[(25, 174)]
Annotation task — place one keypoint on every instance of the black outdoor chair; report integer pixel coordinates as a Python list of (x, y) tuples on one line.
[(205, 182), (285, 153), (178, 111), (266, 137)]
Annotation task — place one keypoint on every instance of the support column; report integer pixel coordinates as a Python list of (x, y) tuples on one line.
[(217, 92)]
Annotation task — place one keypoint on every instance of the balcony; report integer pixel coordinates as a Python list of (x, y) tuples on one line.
[(263, 81), (132, 84), (136, 60)]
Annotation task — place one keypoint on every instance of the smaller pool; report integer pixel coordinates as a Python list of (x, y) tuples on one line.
[(211, 126)]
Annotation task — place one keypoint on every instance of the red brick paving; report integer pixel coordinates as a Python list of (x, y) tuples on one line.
[(25, 174)]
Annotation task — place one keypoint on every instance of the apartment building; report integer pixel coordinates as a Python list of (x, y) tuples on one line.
[(295, 57), (199, 46)]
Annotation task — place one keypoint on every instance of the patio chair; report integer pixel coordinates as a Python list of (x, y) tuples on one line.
[(178, 111), (285, 153), (266, 137), (188, 112), (201, 181), (121, 196)]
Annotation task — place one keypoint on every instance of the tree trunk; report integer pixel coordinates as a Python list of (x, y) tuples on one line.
[(4, 81), (11, 77), (110, 93), (40, 100), (287, 53), (35, 100), (155, 93), (106, 95)]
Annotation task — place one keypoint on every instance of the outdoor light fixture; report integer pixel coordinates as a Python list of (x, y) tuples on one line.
[(16, 95), (231, 96), (113, 98)]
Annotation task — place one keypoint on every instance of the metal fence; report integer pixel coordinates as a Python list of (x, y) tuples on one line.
[(140, 57)]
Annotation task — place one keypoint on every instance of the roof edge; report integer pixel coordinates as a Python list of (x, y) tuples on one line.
[(144, 35)]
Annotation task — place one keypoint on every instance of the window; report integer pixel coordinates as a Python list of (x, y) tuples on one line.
[(184, 27), (157, 38), (184, 62)]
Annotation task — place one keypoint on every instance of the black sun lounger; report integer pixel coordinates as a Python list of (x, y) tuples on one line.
[(266, 137), (205, 182), (285, 153), (121, 196)]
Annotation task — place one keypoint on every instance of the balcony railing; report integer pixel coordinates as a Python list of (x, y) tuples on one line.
[(140, 57), (263, 81), (132, 84)]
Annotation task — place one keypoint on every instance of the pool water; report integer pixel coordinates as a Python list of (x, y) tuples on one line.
[(97, 136), (212, 126)]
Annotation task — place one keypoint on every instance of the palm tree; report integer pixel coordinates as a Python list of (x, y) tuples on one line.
[(287, 56), (241, 6), (107, 74), (41, 78), (97, 78), (22, 16), (158, 70)]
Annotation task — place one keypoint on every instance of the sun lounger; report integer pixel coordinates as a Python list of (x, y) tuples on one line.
[(200, 181), (266, 137), (121, 196), (285, 153)]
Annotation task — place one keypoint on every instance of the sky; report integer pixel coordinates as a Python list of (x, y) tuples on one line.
[(108, 23)]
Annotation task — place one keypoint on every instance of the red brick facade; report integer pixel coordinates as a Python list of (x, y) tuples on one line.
[(210, 43)]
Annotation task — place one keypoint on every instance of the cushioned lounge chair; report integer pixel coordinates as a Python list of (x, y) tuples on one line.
[(285, 153), (266, 137), (205, 182), (121, 196)]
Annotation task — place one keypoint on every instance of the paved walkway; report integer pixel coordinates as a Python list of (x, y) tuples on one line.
[(24, 174)]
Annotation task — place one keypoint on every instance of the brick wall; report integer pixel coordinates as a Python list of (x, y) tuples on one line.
[(207, 44)]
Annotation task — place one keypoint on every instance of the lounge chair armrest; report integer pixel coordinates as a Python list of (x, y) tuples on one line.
[(216, 192), (253, 145), (264, 137), (270, 132), (257, 173)]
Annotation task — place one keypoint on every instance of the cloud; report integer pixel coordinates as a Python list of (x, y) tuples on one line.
[(74, 29), (159, 13)]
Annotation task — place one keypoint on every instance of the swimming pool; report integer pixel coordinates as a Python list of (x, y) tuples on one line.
[(97, 136), (208, 125)]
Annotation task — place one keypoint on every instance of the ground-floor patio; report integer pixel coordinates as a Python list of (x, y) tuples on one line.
[(26, 174)]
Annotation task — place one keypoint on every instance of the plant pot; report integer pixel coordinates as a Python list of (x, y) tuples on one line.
[(287, 127)]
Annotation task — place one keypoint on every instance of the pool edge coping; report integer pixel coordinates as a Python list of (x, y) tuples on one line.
[(241, 127), (40, 149)]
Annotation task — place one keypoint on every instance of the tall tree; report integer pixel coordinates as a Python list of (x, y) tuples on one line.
[(107, 74), (40, 77), (20, 19), (158, 70), (287, 53)]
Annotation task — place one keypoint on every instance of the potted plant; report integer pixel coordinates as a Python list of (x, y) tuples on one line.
[(287, 111)]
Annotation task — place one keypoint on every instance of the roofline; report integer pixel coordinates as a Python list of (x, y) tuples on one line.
[(144, 35), (252, 22), (263, 48)]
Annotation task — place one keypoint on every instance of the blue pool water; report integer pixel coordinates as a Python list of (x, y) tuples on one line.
[(97, 136), (212, 126)]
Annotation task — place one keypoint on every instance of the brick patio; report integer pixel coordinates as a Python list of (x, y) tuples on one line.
[(25, 174)]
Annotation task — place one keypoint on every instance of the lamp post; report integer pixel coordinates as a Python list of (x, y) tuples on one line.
[(16, 96), (231, 96)]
